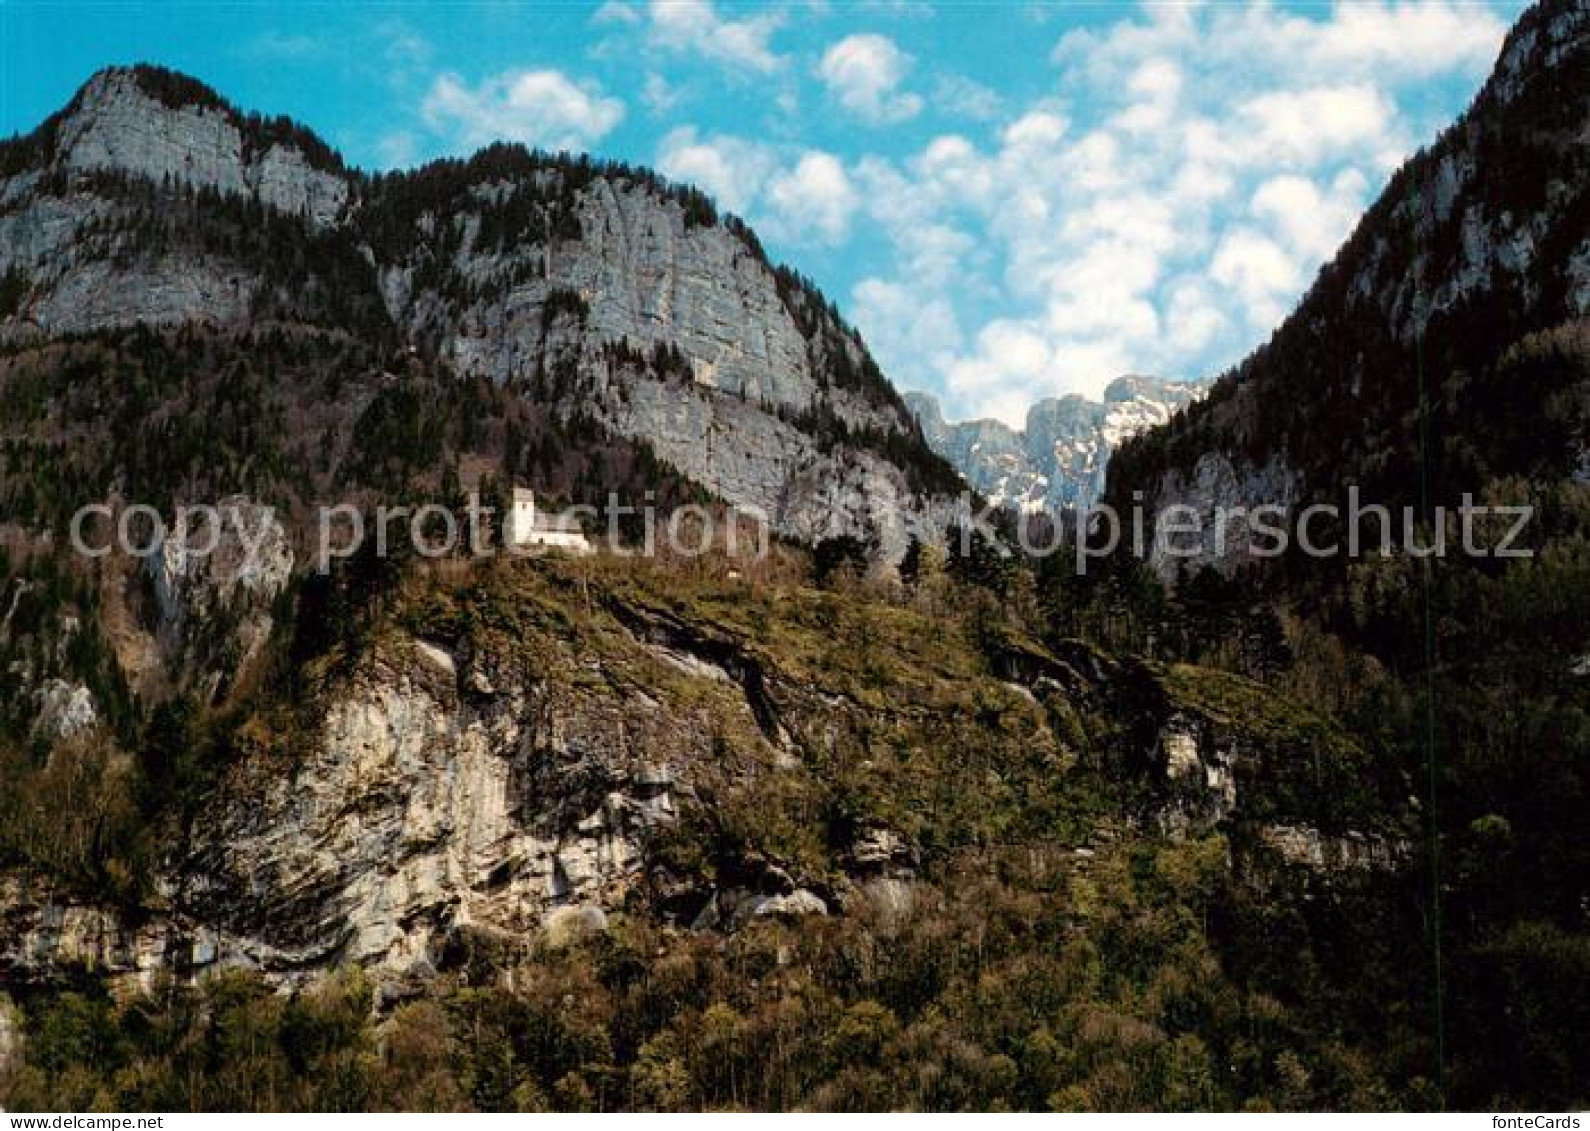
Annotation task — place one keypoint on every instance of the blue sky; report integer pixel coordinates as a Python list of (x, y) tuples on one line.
[(1011, 200)]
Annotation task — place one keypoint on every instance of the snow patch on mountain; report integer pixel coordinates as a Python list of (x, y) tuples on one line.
[(1059, 459)]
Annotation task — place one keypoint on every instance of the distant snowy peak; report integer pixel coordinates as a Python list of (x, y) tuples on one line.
[(1058, 460)]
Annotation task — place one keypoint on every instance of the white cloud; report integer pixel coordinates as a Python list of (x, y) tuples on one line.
[(1260, 273), (815, 197), (864, 73), (1358, 39), (1304, 127), (1037, 128), (1014, 365), (1312, 221), (542, 108), (1413, 40), (1193, 318), (695, 27), (953, 166), (659, 94), (616, 12), (1155, 88), (1163, 208), (964, 98), (800, 197), (905, 324), (731, 169)]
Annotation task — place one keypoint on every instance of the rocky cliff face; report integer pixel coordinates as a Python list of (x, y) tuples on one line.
[(215, 585), (1060, 458), (516, 757), (124, 123), (597, 290), (1459, 298), (728, 370)]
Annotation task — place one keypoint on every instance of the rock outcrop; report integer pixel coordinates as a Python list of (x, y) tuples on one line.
[(216, 580), (1306, 847), (123, 121), (64, 709), (1219, 515), (48, 932), (425, 806), (10, 1034)]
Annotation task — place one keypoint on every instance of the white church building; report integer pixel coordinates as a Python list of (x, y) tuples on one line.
[(524, 526)]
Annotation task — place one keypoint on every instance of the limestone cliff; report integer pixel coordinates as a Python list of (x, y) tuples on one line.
[(598, 290), (127, 122)]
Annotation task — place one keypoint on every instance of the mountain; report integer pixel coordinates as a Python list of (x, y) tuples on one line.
[(674, 832), (365, 811), (1463, 291), (594, 291), (1443, 355), (1059, 459)]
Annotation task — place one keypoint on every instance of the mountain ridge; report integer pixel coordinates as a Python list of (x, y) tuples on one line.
[(597, 287), (1059, 459)]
